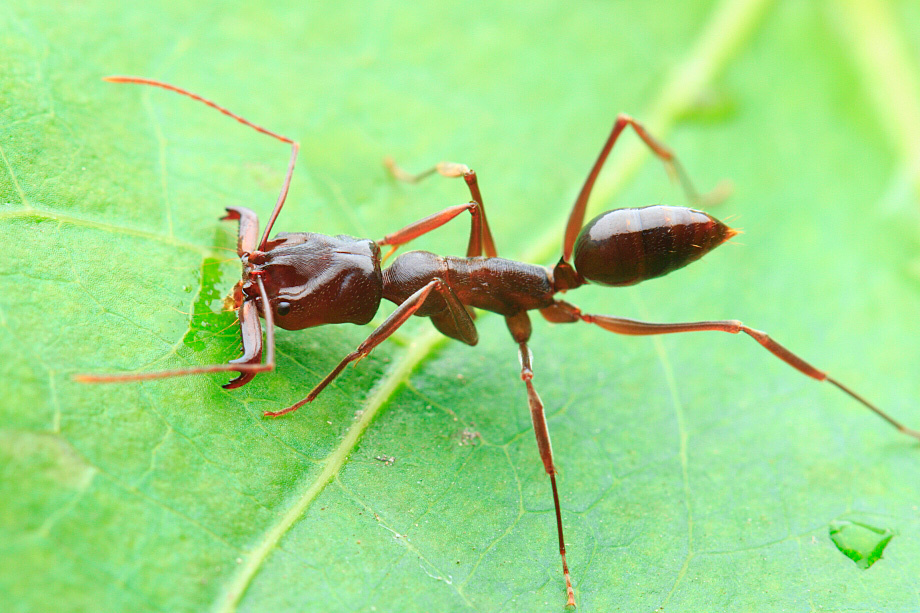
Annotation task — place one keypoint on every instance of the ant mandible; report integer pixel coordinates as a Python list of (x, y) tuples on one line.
[(300, 280)]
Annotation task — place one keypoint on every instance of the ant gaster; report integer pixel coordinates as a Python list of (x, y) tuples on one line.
[(300, 280)]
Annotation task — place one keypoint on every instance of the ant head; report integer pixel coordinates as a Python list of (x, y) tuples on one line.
[(313, 279)]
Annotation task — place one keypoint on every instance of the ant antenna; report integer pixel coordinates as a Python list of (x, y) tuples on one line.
[(295, 146)]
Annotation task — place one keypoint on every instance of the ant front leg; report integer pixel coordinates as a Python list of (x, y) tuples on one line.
[(452, 170), (563, 312), (463, 324), (423, 226), (520, 328)]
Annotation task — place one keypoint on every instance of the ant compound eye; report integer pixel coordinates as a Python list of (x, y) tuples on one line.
[(283, 308)]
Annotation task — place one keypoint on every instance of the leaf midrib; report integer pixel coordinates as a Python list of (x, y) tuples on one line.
[(33, 213)]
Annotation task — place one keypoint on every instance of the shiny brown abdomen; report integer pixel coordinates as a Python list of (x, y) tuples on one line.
[(627, 246)]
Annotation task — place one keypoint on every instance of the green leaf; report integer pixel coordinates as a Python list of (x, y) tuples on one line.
[(697, 472)]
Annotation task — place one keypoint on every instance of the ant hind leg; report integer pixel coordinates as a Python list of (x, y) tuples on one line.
[(563, 312)]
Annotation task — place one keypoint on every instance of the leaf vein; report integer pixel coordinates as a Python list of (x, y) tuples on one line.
[(16, 185), (236, 587), (43, 215)]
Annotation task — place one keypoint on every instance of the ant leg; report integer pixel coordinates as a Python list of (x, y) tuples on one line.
[(412, 231), (402, 313), (247, 365), (295, 146), (452, 169), (563, 312), (671, 165), (520, 329)]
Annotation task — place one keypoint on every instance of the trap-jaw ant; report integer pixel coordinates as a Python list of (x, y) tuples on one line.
[(299, 280)]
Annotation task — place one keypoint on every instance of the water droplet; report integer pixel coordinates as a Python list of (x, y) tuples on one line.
[(860, 542)]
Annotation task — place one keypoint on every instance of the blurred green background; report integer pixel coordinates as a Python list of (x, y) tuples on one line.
[(698, 473)]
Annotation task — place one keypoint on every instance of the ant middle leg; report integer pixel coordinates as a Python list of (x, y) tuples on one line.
[(563, 312), (520, 328), (451, 170)]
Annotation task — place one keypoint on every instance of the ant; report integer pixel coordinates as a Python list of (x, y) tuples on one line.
[(300, 280)]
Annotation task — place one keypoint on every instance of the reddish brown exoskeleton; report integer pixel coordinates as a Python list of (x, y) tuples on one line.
[(300, 280)]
